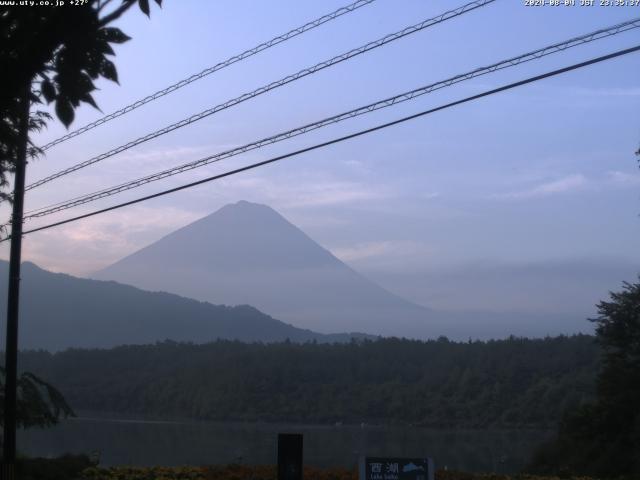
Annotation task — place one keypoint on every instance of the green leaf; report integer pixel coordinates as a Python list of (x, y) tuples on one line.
[(108, 70), (144, 6), (114, 35), (48, 90), (103, 46), (83, 83), (89, 99), (64, 111), (92, 65)]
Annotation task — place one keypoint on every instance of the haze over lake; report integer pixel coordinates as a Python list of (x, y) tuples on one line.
[(136, 442)]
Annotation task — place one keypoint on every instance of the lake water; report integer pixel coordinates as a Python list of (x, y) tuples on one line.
[(142, 443)]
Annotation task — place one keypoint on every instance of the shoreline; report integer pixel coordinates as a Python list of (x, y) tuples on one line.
[(109, 417)]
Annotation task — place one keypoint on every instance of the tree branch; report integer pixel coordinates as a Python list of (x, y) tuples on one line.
[(102, 4), (117, 13)]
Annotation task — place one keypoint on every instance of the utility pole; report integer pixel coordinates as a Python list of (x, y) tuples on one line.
[(13, 298)]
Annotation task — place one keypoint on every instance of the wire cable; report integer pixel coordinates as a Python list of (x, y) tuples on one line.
[(271, 86), (403, 97), (252, 166), (208, 71)]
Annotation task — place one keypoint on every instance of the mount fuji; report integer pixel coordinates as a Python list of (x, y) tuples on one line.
[(247, 253)]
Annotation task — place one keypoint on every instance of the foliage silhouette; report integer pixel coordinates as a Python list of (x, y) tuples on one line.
[(57, 53), (41, 404), (514, 382), (603, 437), (50, 55)]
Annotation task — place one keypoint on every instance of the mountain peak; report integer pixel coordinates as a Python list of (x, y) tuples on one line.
[(241, 236), (247, 253), (245, 206), (244, 209)]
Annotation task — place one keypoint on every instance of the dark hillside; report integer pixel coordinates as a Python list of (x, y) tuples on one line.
[(60, 311)]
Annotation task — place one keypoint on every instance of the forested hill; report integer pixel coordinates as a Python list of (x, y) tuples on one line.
[(514, 382), (59, 311)]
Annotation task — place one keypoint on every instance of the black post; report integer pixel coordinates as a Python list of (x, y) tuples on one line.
[(13, 298), (289, 456)]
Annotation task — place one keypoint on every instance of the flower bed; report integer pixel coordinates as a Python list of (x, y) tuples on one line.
[(241, 472)]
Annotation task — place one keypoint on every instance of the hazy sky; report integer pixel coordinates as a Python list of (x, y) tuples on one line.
[(544, 173)]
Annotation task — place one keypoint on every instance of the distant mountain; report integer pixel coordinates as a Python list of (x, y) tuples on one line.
[(570, 287), (58, 311), (247, 253)]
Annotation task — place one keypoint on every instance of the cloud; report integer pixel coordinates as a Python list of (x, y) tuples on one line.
[(386, 254), (623, 178), (88, 245), (333, 193), (609, 92), (363, 250), (358, 164), (566, 184), (429, 195), (136, 163), (303, 191), (318, 221), (613, 179)]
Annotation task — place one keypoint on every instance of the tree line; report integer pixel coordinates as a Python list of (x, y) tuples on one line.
[(602, 438), (513, 383)]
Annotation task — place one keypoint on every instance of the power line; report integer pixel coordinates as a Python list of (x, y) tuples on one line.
[(208, 71), (271, 86), (536, 54), (341, 139)]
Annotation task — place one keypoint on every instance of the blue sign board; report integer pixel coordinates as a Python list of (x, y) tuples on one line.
[(394, 468)]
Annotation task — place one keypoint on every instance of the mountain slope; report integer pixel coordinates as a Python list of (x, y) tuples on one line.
[(59, 311), (247, 253)]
